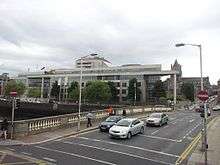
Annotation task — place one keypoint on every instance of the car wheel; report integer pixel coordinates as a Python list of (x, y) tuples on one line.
[(142, 130), (129, 135)]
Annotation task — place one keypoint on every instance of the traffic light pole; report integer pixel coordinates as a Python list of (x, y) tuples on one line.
[(205, 134), (12, 117)]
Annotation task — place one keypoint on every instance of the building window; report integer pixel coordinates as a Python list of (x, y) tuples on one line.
[(124, 91), (124, 84), (118, 91), (124, 98), (139, 84), (117, 84)]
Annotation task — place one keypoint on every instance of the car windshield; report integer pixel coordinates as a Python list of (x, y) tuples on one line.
[(111, 119), (155, 115), (124, 123)]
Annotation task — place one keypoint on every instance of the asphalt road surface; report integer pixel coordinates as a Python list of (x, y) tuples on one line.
[(157, 146)]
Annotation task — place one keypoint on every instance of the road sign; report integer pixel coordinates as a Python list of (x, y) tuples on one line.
[(203, 95)]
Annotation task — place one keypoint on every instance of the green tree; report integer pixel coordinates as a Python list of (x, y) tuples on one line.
[(133, 90), (97, 91), (55, 90), (158, 90), (73, 91), (34, 92), (113, 90), (187, 90), (12, 85)]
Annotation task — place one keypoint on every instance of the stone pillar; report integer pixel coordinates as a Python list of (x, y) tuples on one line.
[(42, 88)]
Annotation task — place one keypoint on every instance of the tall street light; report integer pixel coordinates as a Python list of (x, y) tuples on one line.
[(80, 87), (205, 144), (200, 53)]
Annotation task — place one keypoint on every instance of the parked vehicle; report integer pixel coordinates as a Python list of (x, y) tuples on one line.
[(109, 122), (157, 119), (126, 128), (216, 108)]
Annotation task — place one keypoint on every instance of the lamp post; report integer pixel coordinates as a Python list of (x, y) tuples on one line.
[(205, 144), (80, 88)]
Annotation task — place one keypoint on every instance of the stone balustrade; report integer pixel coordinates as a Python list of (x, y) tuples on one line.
[(34, 126)]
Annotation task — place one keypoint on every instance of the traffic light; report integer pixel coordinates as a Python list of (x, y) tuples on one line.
[(17, 103)]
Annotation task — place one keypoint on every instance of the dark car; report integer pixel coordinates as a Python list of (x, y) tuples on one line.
[(109, 122)]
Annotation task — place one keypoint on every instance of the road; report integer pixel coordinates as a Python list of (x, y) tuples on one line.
[(157, 146)]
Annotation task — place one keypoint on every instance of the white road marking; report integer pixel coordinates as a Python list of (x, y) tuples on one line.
[(154, 132), (26, 153), (190, 131), (49, 159), (119, 152), (162, 138), (11, 149), (76, 155), (191, 120), (129, 146), (166, 126)]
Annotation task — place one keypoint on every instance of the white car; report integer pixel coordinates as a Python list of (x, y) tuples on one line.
[(126, 128)]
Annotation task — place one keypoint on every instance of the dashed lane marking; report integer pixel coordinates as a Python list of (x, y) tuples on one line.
[(190, 131), (49, 159), (76, 155), (26, 153), (129, 146), (119, 152), (162, 138), (192, 120)]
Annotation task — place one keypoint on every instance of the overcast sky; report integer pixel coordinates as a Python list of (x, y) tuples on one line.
[(53, 33)]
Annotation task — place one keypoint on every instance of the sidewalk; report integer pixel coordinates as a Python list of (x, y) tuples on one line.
[(197, 157), (48, 136), (7, 157), (53, 135)]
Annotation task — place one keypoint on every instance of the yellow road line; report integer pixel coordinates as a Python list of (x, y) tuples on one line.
[(188, 149)]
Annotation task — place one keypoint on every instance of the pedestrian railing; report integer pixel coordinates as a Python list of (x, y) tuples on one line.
[(34, 126)]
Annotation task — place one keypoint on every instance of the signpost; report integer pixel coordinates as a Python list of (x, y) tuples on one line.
[(13, 95), (203, 96)]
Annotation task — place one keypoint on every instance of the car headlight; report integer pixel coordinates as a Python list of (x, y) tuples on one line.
[(108, 126)]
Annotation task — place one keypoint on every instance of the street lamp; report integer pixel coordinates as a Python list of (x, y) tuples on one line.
[(80, 87), (200, 53), (205, 144)]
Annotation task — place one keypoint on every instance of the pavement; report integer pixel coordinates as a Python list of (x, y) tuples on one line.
[(213, 136)]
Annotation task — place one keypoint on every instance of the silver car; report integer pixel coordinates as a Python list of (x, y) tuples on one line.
[(157, 119), (126, 128)]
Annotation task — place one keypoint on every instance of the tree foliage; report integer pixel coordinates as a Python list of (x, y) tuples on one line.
[(113, 90), (55, 90), (97, 91), (73, 91), (12, 85), (187, 90), (133, 90), (34, 92), (159, 90)]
